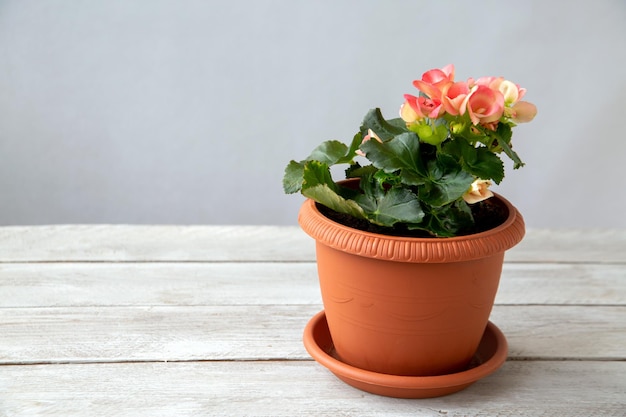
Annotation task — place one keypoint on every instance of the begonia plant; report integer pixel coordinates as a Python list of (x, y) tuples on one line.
[(424, 170)]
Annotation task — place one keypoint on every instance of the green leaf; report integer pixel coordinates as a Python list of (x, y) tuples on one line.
[(358, 171), (446, 221), (388, 179), (487, 165), (316, 173), (447, 181), (504, 133), (329, 198), (334, 152), (384, 130), (517, 162), (398, 123), (318, 185), (502, 143), (292, 180), (400, 153), (354, 146), (329, 152), (480, 162), (397, 205)]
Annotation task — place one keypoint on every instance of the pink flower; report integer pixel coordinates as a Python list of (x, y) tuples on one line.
[(478, 191), (523, 112), (453, 98), (433, 81), (424, 107), (483, 105)]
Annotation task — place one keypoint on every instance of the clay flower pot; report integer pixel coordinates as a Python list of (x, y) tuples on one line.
[(408, 306)]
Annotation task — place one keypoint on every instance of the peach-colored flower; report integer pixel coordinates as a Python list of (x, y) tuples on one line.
[(523, 112), (512, 92), (453, 97), (434, 80), (369, 136), (491, 82), (478, 191), (424, 107), (483, 105), (408, 113)]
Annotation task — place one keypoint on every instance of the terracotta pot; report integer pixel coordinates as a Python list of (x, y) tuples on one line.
[(408, 306)]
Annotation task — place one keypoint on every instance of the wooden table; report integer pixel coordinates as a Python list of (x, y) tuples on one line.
[(208, 320)]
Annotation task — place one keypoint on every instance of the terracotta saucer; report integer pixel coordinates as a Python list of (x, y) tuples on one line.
[(491, 354)]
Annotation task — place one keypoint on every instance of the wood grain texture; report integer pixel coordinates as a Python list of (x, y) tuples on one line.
[(114, 284), (299, 389), (109, 334), (124, 243)]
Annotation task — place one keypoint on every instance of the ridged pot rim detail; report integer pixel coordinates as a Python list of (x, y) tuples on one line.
[(412, 249)]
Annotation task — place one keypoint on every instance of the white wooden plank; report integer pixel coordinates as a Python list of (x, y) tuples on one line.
[(563, 332), (87, 284), (109, 334), (94, 334), (527, 283), (294, 389), (578, 245), (101, 284), (124, 243)]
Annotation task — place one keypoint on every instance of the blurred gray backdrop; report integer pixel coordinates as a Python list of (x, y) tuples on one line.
[(186, 112)]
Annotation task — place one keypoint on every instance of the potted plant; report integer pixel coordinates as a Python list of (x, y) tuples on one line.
[(410, 244)]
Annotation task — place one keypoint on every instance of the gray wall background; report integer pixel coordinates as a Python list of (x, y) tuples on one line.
[(186, 112)]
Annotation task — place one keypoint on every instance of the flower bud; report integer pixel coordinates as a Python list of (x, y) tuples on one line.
[(457, 127), (430, 135)]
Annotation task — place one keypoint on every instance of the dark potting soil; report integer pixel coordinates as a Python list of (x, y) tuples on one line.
[(487, 214)]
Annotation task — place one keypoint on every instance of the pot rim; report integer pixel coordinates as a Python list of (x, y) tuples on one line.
[(413, 249)]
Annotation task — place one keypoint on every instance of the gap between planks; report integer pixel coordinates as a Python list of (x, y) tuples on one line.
[(279, 360)]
